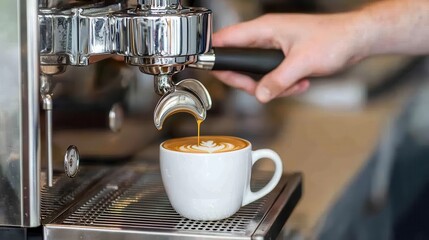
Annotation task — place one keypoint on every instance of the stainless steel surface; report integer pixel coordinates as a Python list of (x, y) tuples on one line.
[(164, 84), (159, 4), (198, 89), (66, 191), (19, 115), (73, 36), (71, 161), (30, 116), (46, 90), (188, 95), (161, 37), (69, 36), (205, 61), (280, 211), (49, 146), (132, 204), (178, 101), (62, 4)]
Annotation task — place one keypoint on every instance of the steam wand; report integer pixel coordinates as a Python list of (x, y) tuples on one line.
[(46, 90)]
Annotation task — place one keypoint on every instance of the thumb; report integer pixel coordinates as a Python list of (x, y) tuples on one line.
[(284, 76)]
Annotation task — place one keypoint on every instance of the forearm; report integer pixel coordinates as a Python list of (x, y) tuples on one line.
[(396, 27)]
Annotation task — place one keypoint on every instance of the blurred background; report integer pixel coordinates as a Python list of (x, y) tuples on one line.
[(360, 137)]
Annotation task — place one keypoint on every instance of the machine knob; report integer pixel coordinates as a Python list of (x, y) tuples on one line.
[(71, 161), (116, 117)]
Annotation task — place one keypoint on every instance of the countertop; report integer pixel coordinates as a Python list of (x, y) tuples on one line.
[(329, 148)]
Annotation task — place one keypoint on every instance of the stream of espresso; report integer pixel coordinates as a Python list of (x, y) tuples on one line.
[(199, 128)]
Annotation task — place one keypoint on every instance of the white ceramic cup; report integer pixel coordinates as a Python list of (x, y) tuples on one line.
[(213, 186)]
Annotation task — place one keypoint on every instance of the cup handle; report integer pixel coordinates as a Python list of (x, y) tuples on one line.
[(250, 196)]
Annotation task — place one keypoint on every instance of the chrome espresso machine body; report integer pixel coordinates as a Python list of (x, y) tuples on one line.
[(160, 37)]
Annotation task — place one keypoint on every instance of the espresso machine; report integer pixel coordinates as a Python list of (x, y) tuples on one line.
[(41, 40)]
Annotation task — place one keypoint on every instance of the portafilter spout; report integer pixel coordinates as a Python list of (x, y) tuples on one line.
[(188, 96)]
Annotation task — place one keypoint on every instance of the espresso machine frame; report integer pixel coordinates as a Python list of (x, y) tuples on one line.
[(161, 38), (19, 116)]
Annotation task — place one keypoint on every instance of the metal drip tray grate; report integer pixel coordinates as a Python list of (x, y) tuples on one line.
[(133, 204), (145, 204), (65, 191)]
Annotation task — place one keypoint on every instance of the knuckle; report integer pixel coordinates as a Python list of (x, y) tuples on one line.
[(279, 83)]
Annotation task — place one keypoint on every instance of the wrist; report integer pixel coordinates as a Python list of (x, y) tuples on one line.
[(365, 33)]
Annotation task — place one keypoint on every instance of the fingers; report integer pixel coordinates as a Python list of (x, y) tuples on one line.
[(248, 85), (254, 33), (237, 80), (280, 79), (296, 89)]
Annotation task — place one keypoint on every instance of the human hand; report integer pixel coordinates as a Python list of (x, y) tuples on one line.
[(314, 45)]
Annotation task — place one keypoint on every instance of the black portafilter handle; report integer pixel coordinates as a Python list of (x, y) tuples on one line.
[(250, 60)]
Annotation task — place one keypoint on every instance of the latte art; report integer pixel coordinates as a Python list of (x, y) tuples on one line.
[(208, 144), (208, 147)]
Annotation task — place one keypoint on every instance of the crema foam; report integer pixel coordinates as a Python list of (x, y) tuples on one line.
[(207, 144)]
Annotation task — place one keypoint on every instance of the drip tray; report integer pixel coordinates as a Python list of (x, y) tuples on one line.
[(132, 204)]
